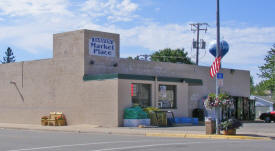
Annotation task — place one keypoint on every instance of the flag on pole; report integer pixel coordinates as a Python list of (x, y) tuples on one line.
[(215, 67)]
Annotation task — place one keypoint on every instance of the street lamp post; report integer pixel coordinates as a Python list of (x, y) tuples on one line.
[(217, 109)]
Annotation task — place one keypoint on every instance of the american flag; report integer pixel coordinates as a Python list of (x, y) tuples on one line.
[(215, 67)]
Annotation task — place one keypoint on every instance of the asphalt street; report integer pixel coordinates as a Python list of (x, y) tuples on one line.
[(28, 140)]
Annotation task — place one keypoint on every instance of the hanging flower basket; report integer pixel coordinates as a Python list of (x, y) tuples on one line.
[(223, 100)]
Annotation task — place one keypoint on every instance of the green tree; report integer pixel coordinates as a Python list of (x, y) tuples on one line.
[(260, 88), (170, 55), (268, 71), (9, 56), (252, 87)]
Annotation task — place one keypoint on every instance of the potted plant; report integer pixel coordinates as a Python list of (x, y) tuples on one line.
[(61, 120), (44, 120), (229, 126)]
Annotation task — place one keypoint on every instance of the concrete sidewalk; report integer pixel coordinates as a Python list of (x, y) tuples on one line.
[(94, 128), (180, 131)]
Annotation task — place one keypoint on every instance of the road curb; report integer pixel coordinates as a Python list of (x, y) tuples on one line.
[(145, 132), (207, 136)]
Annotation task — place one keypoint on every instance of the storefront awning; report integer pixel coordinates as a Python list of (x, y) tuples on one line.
[(191, 82)]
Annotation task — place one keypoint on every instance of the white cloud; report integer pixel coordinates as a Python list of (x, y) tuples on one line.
[(155, 37), (248, 46), (32, 7), (27, 37), (114, 10), (157, 9)]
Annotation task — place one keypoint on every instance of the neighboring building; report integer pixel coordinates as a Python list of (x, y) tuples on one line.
[(88, 81), (243, 108), (262, 104)]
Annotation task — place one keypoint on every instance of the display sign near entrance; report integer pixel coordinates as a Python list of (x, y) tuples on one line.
[(102, 47)]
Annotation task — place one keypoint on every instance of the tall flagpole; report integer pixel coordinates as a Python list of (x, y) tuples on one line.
[(217, 109)]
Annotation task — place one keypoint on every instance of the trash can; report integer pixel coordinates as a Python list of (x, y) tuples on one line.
[(210, 126), (159, 118)]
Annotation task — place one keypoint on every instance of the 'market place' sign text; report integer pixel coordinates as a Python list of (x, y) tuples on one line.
[(102, 47)]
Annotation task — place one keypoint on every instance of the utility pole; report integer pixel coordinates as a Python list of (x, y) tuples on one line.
[(196, 27), (218, 53)]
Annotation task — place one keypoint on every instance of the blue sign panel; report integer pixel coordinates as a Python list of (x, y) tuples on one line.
[(219, 75)]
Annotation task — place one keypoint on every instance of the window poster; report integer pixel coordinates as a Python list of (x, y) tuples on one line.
[(163, 91), (133, 90)]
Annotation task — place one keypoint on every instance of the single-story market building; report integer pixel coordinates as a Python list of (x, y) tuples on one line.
[(88, 81)]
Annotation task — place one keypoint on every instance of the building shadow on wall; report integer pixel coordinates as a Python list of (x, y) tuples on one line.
[(21, 95)]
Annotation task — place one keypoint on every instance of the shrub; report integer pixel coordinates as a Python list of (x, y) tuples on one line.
[(231, 124)]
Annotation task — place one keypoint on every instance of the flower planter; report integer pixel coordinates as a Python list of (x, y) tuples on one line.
[(230, 132), (44, 122), (61, 122)]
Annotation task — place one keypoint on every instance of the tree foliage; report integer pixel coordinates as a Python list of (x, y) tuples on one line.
[(9, 57), (268, 69), (252, 87), (261, 88), (268, 72), (170, 55)]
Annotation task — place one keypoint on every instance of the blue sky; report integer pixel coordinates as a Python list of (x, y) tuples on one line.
[(144, 26)]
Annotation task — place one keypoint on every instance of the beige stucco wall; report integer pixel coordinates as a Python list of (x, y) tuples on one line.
[(43, 86), (57, 85), (101, 64), (125, 99), (236, 82), (100, 102)]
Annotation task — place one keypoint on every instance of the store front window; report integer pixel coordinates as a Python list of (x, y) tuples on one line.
[(141, 94), (167, 97)]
